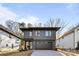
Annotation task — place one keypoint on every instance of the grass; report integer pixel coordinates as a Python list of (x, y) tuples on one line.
[(8, 52)]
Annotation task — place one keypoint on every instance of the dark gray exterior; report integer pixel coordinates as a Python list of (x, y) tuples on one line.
[(42, 41), (42, 35)]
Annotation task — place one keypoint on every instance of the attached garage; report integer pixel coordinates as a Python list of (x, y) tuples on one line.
[(42, 45)]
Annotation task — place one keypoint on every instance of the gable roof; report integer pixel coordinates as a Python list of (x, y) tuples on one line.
[(70, 31), (8, 31)]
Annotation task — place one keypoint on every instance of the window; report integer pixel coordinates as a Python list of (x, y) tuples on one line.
[(37, 33), (30, 33), (17, 41), (6, 45), (12, 46), (48, 33), (10, 36)]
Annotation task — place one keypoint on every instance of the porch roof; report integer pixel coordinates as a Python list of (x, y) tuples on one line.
[(28, 39), (41, 28)]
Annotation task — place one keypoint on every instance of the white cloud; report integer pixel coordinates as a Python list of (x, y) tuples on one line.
[(6, 14), (30, 19)]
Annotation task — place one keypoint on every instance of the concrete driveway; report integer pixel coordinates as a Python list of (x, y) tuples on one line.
[(45, 53)]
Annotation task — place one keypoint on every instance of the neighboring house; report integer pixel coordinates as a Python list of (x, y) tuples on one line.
[(8, 40), (40, 38), (69, 40)]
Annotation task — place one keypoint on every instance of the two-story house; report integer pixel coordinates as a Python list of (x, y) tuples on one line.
[(40, 38)]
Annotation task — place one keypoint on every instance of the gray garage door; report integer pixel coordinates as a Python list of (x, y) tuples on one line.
[(43, 45)]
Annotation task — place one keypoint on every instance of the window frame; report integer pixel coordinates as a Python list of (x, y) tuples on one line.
[(37, 33), (48, 33)]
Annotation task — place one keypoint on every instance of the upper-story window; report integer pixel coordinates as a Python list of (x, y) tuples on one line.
[(30, 33), (47, 33), (10, 36), (37, 33)]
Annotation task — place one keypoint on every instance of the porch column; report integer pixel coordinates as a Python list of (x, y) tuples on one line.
[(29, 45), (25, 45)]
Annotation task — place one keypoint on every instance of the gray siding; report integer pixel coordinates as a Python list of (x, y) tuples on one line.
[(42, 35)]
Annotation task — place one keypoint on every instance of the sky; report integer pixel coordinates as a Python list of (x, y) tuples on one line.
[(39, 12)]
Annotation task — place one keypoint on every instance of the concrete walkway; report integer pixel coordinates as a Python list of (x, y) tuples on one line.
[(45, 53)]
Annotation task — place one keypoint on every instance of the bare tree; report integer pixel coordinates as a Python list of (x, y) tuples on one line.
[(72, 27), (29, 25), (35, 25), (9, 24), (57, 23), (22, 25), (15, 26), (39, 24)]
